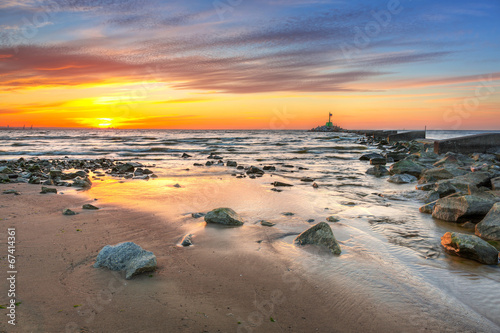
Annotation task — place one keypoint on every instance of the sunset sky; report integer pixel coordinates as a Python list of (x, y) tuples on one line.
[(264, 64)]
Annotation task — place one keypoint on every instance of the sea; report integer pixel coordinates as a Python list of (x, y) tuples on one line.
[(391, 253)]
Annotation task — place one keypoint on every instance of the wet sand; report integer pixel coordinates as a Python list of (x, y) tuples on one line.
[(233, 279)]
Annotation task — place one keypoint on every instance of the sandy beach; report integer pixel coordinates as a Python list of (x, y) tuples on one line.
[(231, 280)]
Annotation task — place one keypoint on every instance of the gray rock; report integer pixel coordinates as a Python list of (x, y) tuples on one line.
[(320, 234), (68, 211), (5, 170), (476, 179), (436, 174), (128, 257), (470, 247), (269, 168), (267, 223), (280, 184), (454, 208), (124, 168), (424, 187), (306, 179), (81, 173), (288, 214), (231, 164), (406, 166), (187, 240), (55, 173), (254, 170), (332, 219), (224, 216), (378, 171), (367, 157), (11, 191), (378, 161), (82, 182), (402, 179), (48, 190), (4, 178), (489, 227), (197, 215), (495, 183), (89, 206)]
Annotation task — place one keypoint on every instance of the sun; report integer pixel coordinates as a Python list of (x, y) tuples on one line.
[(104, 122)]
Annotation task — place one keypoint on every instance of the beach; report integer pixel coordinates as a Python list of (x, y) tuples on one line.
[(392, 274)]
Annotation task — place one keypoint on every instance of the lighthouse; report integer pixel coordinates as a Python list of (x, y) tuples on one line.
[(329, 123)]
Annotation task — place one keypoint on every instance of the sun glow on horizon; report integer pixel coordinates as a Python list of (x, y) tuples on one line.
[(104, 122)]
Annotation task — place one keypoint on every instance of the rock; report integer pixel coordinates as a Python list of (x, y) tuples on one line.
[(288, 214), (274, 189), (82, 182), (5, 170), (89, 206), (453, 208), (269, 168), (320, 234), (367, 157), (198, 164), (278, 184), (224, 216), (468, 225), (396, 156), (128, 257), (307, 179), (147, 172), (231, 164), (435, 174), (378, 161), (495, 183), (11, 191), (209, 163), (489, 227), (184, 155), (267, 223), (424, 187), (253, 170), (470, 247), (187, 240), (4, 178), (445, 188), (310, 220), (81, 173), (315, 185), (427, 209), (124, 168), (214, 157), (332, 219), (197, 215), (476, 179), (55, 173), (68, 211), (402, 179), (177, 185), (377, 171), (48, 190), (406, 166)]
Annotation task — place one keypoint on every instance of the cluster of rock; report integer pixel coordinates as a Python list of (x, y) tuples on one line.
[(325, 128), (460, 188), (68, 172)]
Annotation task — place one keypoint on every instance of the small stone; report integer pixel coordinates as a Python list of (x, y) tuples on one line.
[(280, 184), (177, 185), (402, 179), (48, 190), (307, 179), (267, 223), (187, 240), (11, 191), (315, 185), (197, 215), (68, 211), (184, 155), (288, 214), (332, 219), (89, 206), (231, 164)]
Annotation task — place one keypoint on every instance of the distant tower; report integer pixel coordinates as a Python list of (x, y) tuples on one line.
[(329, 123)]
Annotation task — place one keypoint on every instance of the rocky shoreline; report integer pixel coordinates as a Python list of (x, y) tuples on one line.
[(462, 189)]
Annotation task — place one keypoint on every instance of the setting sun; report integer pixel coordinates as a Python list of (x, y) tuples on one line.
[(105, 122)]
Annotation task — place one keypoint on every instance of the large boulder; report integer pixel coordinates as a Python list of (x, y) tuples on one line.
[(453, 208), (377, 171), (224, 216), (489, 227), (128, 257), (470, 247), (474, 179), (369, 156), (402, 179), (320, 234), (406, 166), (435, 174)]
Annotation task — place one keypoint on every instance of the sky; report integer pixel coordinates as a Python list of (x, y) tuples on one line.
[(241, 64)]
